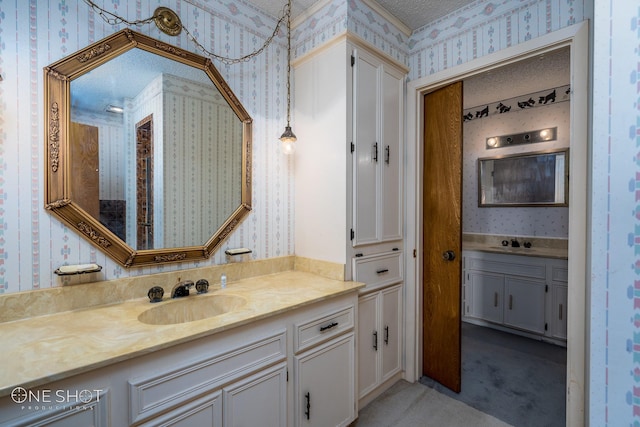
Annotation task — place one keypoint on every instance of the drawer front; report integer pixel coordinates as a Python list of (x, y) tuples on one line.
[(559, 274), (321, 329), (378, 270), (153, 395), (512, 267)]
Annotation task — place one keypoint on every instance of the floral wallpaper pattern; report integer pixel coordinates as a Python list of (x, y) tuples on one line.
[(34, 33)]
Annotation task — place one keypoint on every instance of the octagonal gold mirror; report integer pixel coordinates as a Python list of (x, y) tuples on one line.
[(148, 151)]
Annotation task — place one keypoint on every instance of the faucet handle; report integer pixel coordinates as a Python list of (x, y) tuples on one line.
[(155, 294)]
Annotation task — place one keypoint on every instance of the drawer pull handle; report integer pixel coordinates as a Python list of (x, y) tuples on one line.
[(510, 302), (495, 299), (387, 154), (382, 271), (375, 152), (375, 340), (329, 326), (560, 312), (386, 335), (307, 412)]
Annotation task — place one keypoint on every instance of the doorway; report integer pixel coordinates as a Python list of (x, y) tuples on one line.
[(576, 38), (144, 183)]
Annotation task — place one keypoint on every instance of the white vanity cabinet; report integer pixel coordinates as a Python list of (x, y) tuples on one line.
[(378, 102), (324, 364), (522, 293), (379, 323), (252, 375)]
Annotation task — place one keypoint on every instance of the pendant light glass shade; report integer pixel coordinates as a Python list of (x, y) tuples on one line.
[(288, 139)]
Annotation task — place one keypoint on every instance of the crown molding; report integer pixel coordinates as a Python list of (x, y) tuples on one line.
[(388, 16)]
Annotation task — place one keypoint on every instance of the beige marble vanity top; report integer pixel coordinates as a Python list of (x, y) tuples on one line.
[(42, 349), (540, 247)]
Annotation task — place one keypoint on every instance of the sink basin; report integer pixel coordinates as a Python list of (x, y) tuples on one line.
[(190, 309)]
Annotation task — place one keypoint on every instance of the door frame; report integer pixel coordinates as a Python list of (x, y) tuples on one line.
[(576, 37)]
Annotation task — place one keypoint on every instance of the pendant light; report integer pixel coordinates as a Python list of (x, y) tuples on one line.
[(288, 138)]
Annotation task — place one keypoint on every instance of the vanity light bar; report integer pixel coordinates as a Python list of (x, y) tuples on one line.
[(531, 137)]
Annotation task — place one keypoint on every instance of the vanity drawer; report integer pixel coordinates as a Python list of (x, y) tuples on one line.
[(378, 270), (320, 329)]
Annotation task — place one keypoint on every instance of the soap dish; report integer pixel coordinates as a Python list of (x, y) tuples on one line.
[(67, 270)]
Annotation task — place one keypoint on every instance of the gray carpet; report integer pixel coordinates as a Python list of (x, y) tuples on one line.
[(515, 379)]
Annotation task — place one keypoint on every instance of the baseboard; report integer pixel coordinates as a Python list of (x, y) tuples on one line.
[(543, 338)]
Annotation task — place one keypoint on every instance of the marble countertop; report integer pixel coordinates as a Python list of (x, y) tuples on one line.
[(542, 252), (39, 350)]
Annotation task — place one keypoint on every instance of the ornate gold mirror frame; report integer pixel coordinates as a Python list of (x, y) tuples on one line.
[(58, 198)]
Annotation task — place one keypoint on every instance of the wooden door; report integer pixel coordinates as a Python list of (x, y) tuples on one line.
[(442, 210), (85, 179)]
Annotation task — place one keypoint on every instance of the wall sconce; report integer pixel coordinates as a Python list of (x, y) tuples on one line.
[(531, 137), (288, 138)]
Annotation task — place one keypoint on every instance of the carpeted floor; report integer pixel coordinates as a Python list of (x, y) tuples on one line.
[(516, 379)]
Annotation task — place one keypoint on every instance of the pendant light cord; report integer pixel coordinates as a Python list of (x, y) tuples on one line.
[(288, 15), (113, 19)]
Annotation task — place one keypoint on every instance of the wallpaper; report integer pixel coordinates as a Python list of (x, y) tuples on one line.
[(35, 33)]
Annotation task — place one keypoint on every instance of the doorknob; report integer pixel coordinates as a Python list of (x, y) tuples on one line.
[(448, 255)]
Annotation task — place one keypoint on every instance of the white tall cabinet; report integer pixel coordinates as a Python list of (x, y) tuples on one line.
[(349, 119)]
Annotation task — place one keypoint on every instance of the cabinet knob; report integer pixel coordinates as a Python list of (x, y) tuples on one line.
[(448, 255)]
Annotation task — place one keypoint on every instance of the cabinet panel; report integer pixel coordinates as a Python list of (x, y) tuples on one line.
[(166, 389), (488, 291), (204, 411), (325, 386), (391, 331), (392, 114), (367, 151), (559, 312), (367, 344), (524, 304), (259, 400)]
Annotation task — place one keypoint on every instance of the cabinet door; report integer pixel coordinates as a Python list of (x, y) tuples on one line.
[(260, 400), (487, 290), (390, 339), (559, 313), (391, 155), (524, 304), (367, 150), (368, 343), (325, 384)]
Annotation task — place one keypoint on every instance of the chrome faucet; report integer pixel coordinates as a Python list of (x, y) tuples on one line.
[(181, 289)]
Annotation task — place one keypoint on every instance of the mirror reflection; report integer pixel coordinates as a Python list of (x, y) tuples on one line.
[(530, 179), (155, 151)]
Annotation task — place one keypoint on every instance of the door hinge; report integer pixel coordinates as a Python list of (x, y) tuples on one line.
[(546, 326), (415, 253), (546, 288), (353, 60), (353, 234), (353, 147), (287, 375)]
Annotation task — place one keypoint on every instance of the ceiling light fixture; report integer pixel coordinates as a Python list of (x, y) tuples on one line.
[(288, 138), (114, 109)]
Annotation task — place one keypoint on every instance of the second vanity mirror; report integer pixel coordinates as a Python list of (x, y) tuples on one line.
[(148, 151), (528, 179)]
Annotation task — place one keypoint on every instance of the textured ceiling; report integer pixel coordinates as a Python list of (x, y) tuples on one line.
[(413, 13)]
